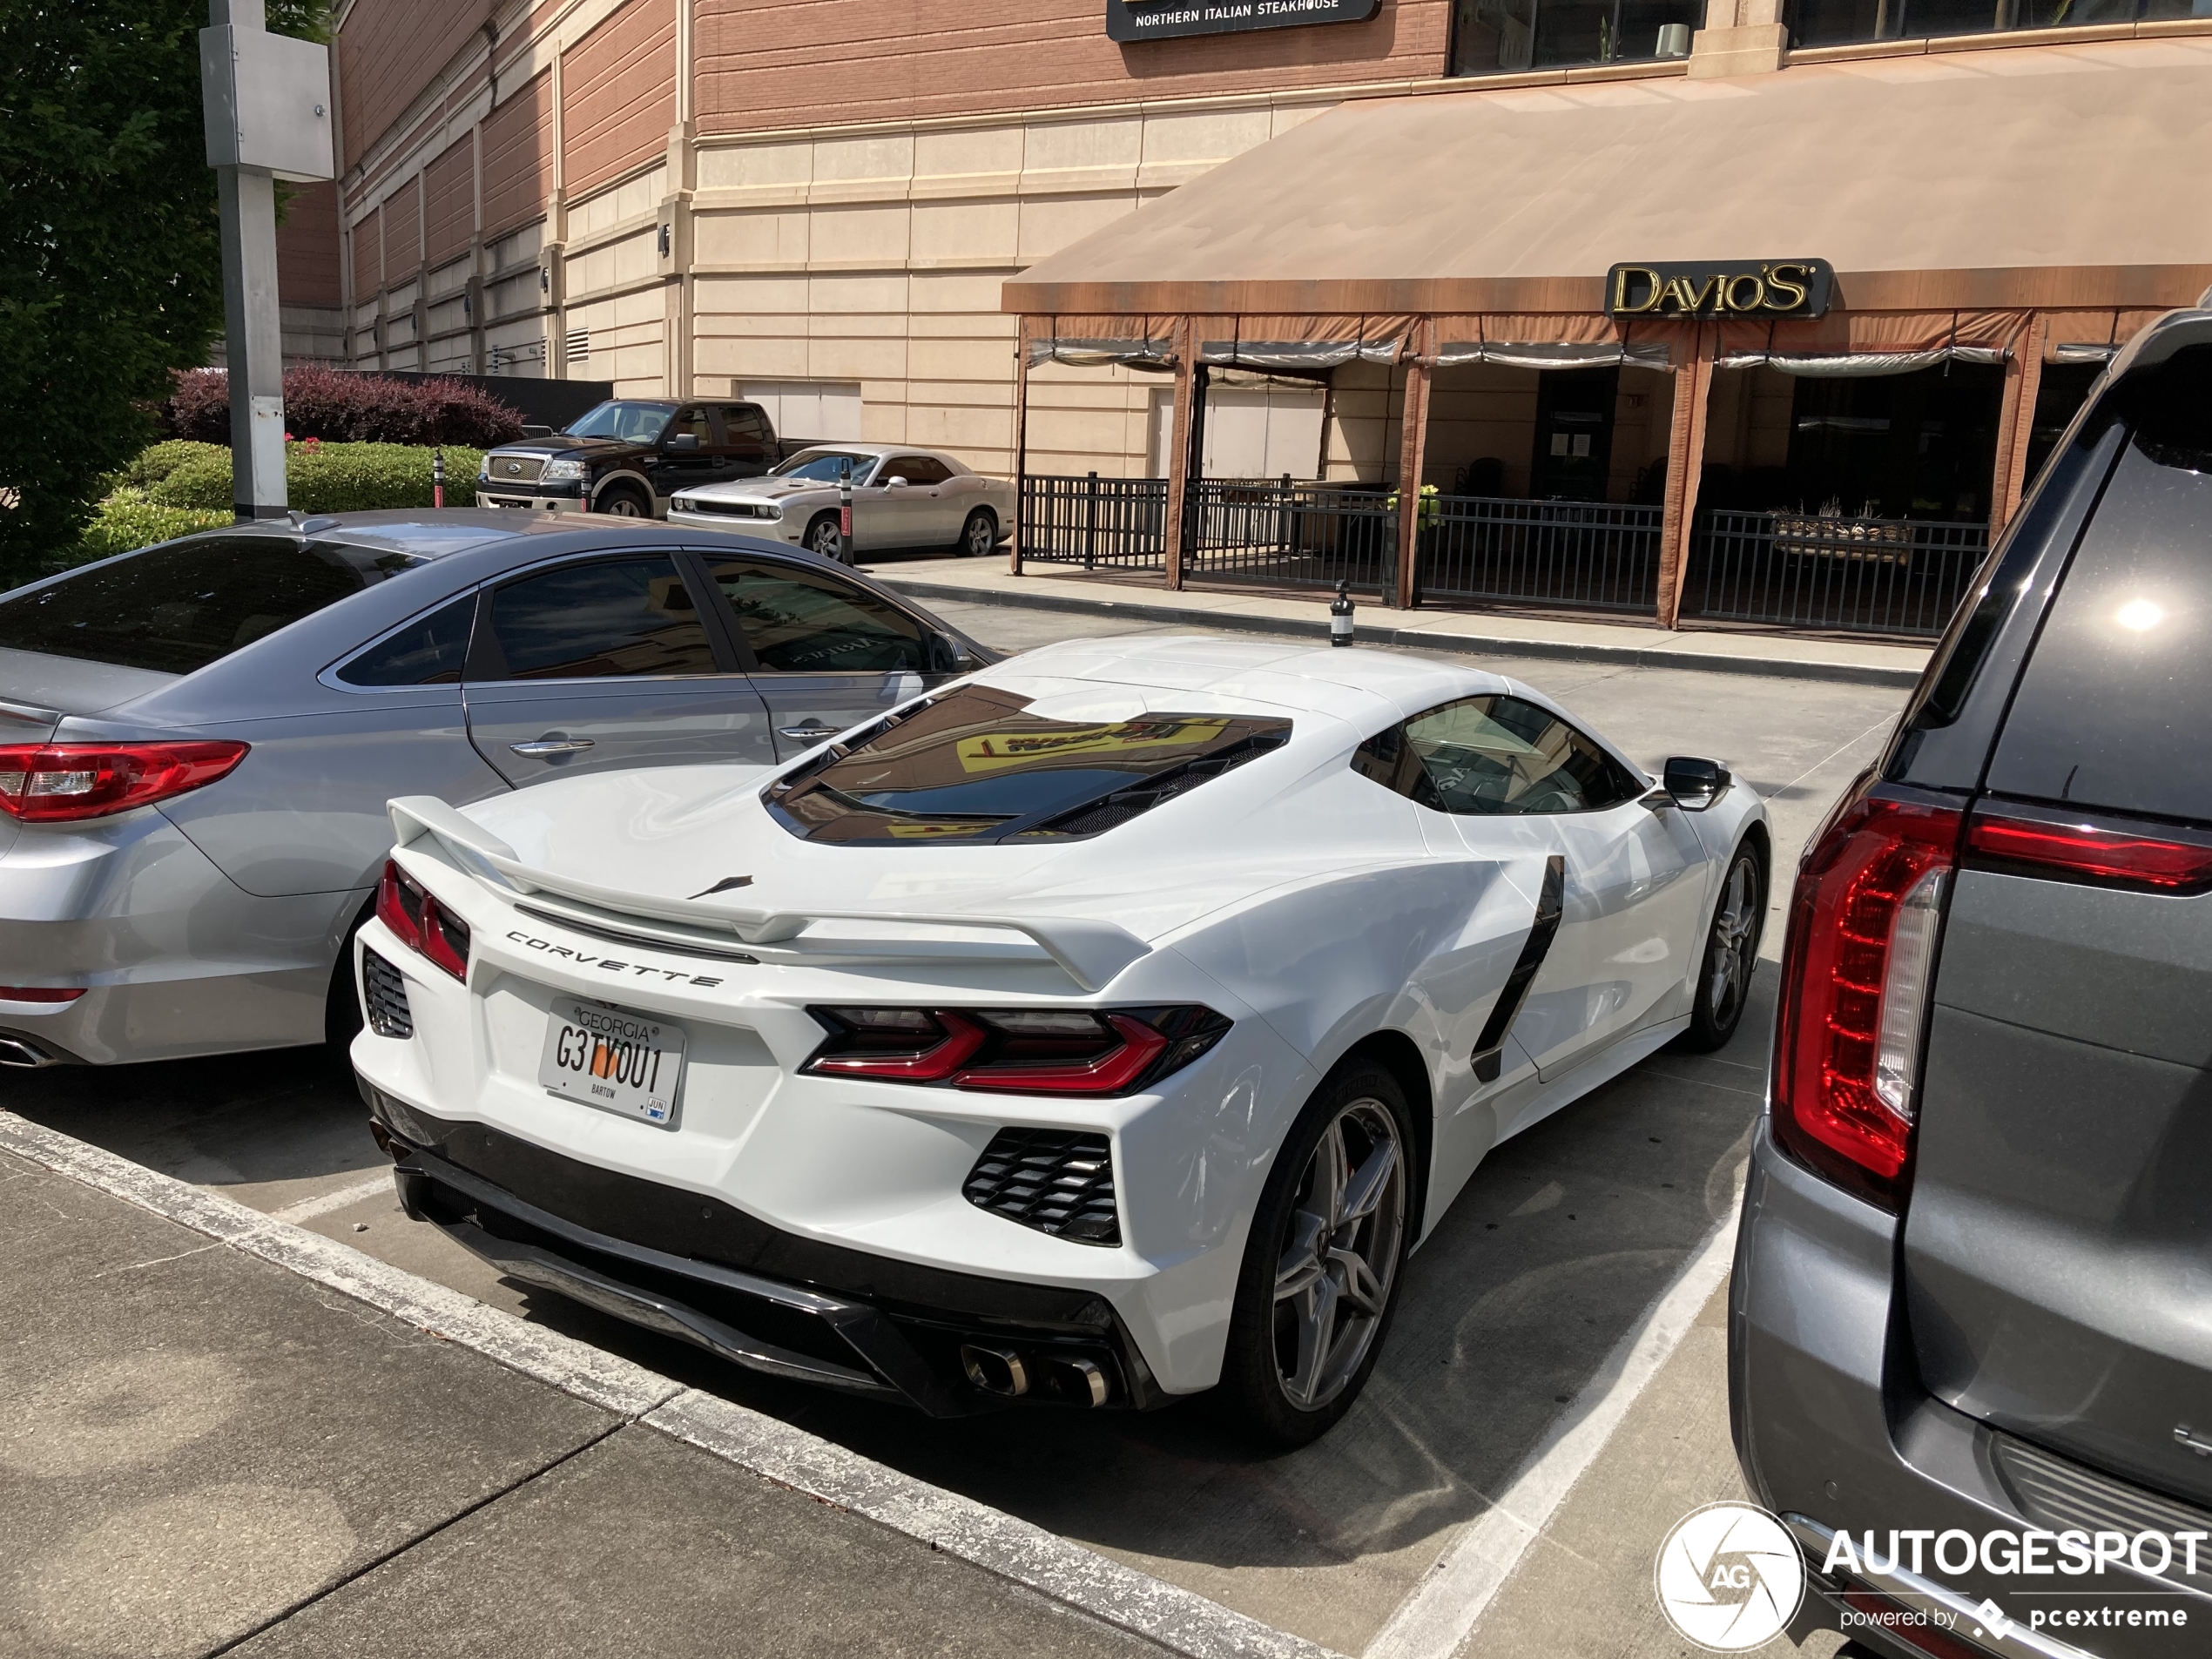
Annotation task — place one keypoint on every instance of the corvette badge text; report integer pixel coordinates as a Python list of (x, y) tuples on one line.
[(607, 964)]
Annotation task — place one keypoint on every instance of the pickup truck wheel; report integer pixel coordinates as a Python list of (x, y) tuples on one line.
[(821, 535), (624, 501), (981, 534)]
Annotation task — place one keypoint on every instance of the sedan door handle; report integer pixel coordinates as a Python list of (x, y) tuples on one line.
[(540, 747), (814, 729)]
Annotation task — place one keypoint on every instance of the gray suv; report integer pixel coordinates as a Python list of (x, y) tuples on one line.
[(1971, 1324)]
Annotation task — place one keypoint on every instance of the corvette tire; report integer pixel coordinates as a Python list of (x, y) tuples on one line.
[(1323, 1263), (1731, 956)]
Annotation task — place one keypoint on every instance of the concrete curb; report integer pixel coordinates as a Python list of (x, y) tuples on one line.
[(1436, 639), (1179, 1620)]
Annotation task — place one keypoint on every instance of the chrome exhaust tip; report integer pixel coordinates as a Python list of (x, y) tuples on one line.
[(996, 1371), (1078, 1380), (24, 1055)]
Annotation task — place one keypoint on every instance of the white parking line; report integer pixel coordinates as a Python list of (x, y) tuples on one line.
[(344, 1198), (1438, 1616)]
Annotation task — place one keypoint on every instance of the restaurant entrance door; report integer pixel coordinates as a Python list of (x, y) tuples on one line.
[(1573, 451)]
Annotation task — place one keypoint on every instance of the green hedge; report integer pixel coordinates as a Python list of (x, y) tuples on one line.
[(157, 461), (127, 520), (326, 478)]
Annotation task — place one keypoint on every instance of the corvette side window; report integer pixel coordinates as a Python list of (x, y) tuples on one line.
[(1489, 755)]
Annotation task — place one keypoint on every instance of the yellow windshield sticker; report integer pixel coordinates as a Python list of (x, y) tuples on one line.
[(996, 751)]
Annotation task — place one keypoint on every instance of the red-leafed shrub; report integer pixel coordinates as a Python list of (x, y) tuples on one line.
[(336, 406)]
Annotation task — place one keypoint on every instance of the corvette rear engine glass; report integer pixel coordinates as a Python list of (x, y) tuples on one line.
[(182, 606), (976, 767)]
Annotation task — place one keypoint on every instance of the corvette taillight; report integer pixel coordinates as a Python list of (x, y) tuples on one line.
[(1020, 1051), (1856, 973), (55, 782), (417, 919)]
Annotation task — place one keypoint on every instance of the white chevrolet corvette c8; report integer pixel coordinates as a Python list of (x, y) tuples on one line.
[(1105, 1027)]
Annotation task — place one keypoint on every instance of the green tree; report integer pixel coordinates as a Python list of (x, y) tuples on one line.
[(110, 272)]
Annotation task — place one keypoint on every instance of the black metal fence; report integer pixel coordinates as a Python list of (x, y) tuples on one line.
[(1552, 555), (1097, 523), (1286, 534), (1871, 576)]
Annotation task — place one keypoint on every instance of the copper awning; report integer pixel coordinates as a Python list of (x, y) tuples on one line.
[(2066, 176)]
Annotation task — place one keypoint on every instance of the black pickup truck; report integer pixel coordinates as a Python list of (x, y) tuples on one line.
[(628, 456)]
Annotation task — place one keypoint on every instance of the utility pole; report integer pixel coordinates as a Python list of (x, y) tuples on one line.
[(268, 106)]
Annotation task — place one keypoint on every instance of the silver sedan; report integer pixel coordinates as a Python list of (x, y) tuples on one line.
[(197, 739), (902, 497)]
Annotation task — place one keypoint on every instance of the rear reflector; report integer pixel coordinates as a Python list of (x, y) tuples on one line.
[(40, 992), (1020, 1051), (2068, 846), (55, 782), (1856, 973)]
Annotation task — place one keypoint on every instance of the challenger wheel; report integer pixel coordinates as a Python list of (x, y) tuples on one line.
[(822, 538), (1731, 954), (979, 535), (1322, 1264)]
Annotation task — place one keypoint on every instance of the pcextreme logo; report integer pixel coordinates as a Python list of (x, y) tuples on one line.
[(1730, 1577)]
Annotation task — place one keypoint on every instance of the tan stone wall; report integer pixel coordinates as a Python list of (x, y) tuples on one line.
[(877, 258)]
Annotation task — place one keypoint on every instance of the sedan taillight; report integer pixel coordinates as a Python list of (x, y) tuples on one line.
[(1018, 1051), (57, 782), (417, 919), (1856, 973)]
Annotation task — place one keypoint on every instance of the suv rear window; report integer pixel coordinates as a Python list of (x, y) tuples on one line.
[(975, 766), (2114, 709), (180, 606)]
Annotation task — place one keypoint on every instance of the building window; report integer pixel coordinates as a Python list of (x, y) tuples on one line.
[(1838, 23), (1505, 36)]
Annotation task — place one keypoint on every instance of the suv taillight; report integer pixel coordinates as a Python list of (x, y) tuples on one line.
[(1856, 973), (417, 919), (57, 782), (1015, 1051)]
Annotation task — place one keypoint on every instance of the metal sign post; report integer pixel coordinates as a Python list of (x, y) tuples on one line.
[(845, 514), (267, 99)]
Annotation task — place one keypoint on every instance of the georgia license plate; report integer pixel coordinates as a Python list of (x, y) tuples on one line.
[(619, 1062)]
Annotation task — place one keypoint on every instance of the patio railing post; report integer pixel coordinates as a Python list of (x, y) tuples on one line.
[(1020, 446), (2023, 380), (1412, 452), (1090, 523), (1685, 455), (1186, 350)]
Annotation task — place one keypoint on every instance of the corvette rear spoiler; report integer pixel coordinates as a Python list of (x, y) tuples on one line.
[(1091, 953)]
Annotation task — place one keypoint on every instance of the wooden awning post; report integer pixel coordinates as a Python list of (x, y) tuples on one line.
[(1020, 444), (2016, 424), (1412, 449), (1685, 459), (1186, 352)]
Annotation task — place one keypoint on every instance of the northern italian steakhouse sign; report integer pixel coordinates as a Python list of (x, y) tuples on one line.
[(1164, 19)]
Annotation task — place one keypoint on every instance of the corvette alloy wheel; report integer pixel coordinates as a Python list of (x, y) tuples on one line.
[(1734, 941), (1339, 1254)]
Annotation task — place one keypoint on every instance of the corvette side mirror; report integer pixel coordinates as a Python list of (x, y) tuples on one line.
[(1693, 783)]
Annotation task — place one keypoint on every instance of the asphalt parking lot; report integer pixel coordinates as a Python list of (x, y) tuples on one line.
[(1514, 1317)]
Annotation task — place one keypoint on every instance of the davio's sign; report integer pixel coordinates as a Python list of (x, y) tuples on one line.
[(1165, 19), (1721, 288)]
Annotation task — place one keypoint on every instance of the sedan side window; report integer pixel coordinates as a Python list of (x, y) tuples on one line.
[(917, 469), (430, 651), (800, 621), (1492, 755), (612, 617)]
